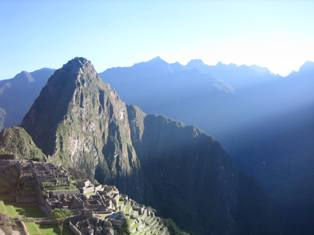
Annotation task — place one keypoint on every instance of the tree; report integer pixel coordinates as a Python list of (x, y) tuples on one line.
[(60, 215)]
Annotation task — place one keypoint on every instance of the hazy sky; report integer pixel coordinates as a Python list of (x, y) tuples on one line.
[(277, 34)]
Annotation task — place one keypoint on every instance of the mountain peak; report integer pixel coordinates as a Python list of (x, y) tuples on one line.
[(73, 117), (157, 64), (77, 70), (77, 61), (195, 62), (157, 59), (77, 64), (307, 66), (24, 75)]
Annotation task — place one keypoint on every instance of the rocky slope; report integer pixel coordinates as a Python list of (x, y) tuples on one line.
[(17, 94), (186, 169), (80, 121)]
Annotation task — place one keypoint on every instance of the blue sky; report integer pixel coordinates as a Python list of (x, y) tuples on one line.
[(276, 34)]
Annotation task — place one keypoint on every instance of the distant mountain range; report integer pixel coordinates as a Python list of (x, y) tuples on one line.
[(266, 122), (154, 78), (219, 99), (17, 94)]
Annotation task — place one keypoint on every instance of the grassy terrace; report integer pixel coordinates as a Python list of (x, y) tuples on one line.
[(53, 188), (35, 229), (15, 211), (18, 211)]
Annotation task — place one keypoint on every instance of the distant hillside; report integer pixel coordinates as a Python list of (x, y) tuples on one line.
[(168, 89), (195, 93), (17, 94), (236, 76)]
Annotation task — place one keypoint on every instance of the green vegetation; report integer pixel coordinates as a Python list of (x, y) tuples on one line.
[(11, 211), (15, 211), (61, 188), (35, 229), (61, 215), (26, 213), (33, 212), (125, 229), (173, 227), (32, 228), (53, 230), (51, 186), (18, 142)]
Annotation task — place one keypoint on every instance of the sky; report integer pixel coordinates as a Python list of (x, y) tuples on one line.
[(276, 34)]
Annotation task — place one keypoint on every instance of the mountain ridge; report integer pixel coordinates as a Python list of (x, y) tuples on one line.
[(27, 92), (17, 94)]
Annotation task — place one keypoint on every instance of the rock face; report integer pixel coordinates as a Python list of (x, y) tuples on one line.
[(186, 169), (184, 174), (82, 122), (16, 141), (9, 176), (17, 94)]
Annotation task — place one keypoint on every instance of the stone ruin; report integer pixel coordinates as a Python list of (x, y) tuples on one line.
[(12, 226), (48, 175), (91, 225), (7, 157), (17, 182), (96, 209)]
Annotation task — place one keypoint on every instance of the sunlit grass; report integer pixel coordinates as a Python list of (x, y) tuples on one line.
[(11, 211), (14, 210), (54, 230), (33, 228)]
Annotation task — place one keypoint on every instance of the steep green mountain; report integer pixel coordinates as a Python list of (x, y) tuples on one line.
[(183, 173), (16, 141), (80, 121), (17, 94)]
